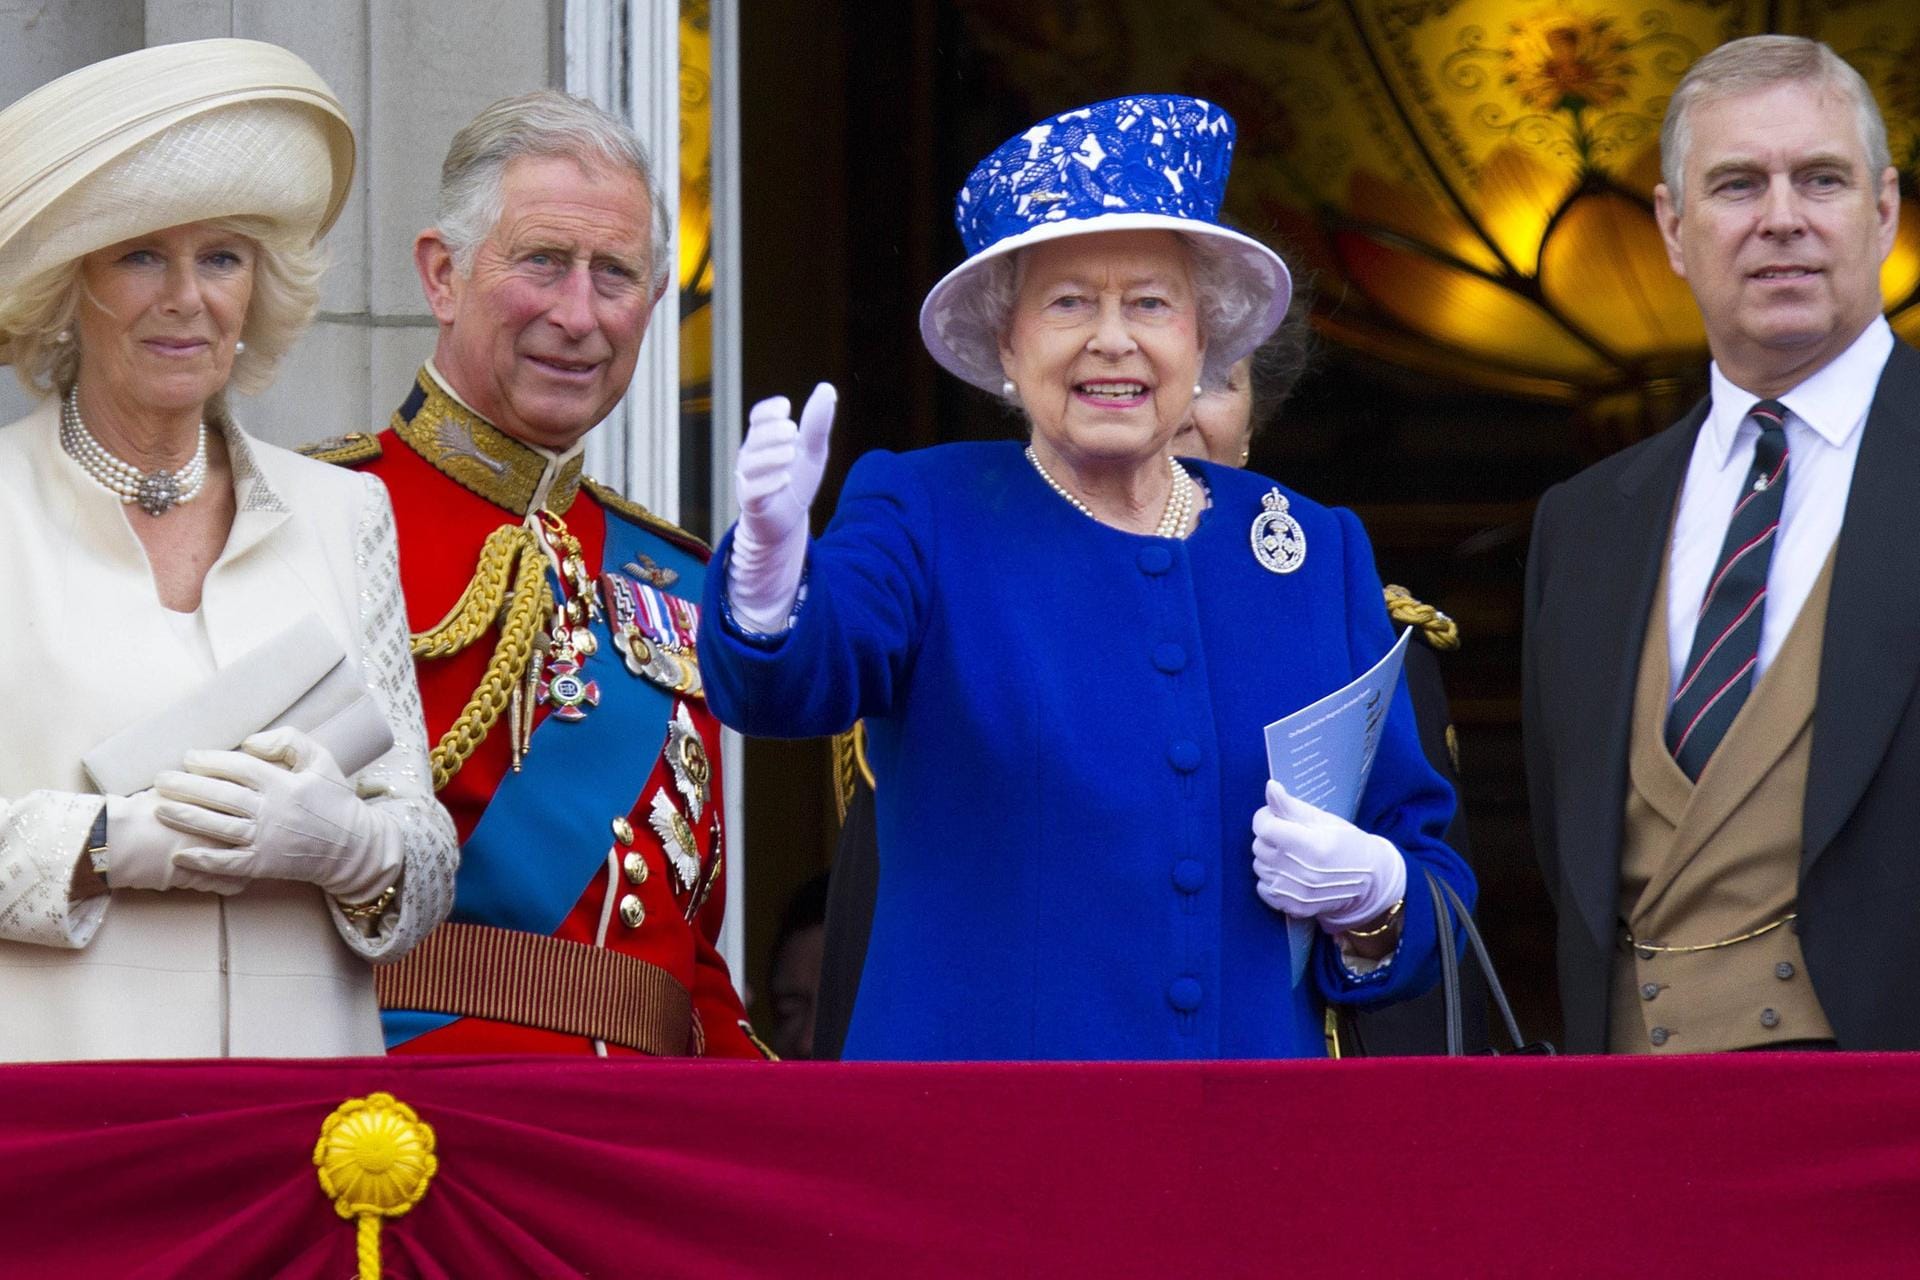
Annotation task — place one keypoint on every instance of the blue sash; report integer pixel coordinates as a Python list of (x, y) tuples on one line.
[(546, 832)]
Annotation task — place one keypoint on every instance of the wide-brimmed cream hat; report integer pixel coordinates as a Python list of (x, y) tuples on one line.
[(164, 136)]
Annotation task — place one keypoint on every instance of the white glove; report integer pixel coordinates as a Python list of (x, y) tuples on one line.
[(777, 475), (1312, 865), (284, 803), (140, 849)]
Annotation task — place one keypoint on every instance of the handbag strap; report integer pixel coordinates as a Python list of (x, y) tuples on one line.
[(1449, 967), (1449, 910)]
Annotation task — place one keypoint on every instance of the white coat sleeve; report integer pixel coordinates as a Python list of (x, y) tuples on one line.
[(399, 785), (42, 836)]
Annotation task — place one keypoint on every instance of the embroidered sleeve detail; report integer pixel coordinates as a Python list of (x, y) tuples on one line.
[(41, 836), (399, 784)]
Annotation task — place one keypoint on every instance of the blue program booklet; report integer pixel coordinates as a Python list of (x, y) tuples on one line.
[(1323, 753)]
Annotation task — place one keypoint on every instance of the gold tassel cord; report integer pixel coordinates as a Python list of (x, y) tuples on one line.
[(509, 551), (375, 1160), (479, 604), (1441, 631)]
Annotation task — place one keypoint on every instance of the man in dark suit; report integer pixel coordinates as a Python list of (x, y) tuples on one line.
[(1723, 741)]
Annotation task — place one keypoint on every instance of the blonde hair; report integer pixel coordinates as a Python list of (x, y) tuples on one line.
[(38, 318)]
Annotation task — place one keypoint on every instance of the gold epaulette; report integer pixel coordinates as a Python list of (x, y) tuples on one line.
[(1436, 628), (349, 450), (850, 766), (633, 511)]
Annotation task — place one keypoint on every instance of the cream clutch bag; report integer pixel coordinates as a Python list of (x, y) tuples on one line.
[(301, 678)]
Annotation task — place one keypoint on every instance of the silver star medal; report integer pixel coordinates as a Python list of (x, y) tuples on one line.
[(676, 837), (687, 755), (1279, 543)]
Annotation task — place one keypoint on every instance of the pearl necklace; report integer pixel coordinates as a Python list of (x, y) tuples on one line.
[(1173, 519), (157, 491)]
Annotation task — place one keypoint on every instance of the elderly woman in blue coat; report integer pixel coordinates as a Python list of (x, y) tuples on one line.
[(1065, 650)]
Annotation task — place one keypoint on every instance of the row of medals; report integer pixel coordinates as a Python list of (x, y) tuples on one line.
[(657, 650), (656, 640), (655, 644)]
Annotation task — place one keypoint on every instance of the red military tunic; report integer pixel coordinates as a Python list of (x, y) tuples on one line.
[(592, 882)]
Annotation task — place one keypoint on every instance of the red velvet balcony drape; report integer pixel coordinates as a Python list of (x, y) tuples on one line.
[(1749, 1165)]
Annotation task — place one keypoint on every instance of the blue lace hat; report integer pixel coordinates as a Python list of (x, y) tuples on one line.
[(1149, 161)]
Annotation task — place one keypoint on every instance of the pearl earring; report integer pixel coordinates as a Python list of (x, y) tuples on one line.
[(238, 347), (63, 337), (1007, 388), (1198, 391)]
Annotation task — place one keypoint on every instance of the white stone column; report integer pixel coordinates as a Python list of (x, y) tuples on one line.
[(729, 412), (625, 56)]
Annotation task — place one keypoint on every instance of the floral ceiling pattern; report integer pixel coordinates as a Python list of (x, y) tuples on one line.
[(1470, 181)]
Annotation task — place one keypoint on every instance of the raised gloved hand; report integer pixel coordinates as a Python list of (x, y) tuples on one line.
[(777, 475), (1312, 865), (290, 813), (140, 849)]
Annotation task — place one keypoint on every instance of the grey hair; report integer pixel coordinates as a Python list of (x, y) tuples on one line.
[(39, 330), (1224, 295), (1761, 62), (1227, 297), (545, 122)]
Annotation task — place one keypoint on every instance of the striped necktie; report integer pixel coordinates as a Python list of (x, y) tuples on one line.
[(1726, 636)]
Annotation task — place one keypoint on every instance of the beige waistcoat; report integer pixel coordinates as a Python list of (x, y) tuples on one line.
[(1713, 859)]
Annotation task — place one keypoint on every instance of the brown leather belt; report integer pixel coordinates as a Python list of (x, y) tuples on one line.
[(504, 975)]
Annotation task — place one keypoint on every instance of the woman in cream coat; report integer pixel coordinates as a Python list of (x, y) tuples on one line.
[(159, 214)]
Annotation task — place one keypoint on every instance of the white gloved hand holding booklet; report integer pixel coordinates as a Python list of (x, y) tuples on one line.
[(1315, 866)]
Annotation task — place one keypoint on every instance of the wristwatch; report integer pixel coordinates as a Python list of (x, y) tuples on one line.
[(97, 844)]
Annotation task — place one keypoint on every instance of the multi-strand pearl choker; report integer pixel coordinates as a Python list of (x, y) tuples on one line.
[(1173, 520), (157, 491)]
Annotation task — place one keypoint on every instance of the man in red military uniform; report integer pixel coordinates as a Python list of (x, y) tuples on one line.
[(554, 622)]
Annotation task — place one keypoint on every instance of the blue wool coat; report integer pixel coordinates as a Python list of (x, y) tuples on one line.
[(1065, 721)]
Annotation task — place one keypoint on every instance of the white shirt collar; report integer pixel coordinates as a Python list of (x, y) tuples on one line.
[(1833, 401)]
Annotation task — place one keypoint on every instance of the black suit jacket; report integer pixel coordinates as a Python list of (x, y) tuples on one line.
[(1598, 541)]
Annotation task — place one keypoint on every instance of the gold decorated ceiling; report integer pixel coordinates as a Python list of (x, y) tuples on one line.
[(1470, 181)]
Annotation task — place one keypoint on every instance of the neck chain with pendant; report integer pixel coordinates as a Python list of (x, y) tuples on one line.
[(157, 491), (1173, 519)]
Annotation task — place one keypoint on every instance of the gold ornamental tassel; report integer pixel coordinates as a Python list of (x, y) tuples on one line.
[(375, 1159), (511, 552)]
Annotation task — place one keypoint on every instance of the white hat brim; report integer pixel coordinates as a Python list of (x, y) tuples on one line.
[(968, 362)]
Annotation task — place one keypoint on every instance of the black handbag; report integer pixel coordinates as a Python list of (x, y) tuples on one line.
[(1344, 1033), (1448, 910)]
